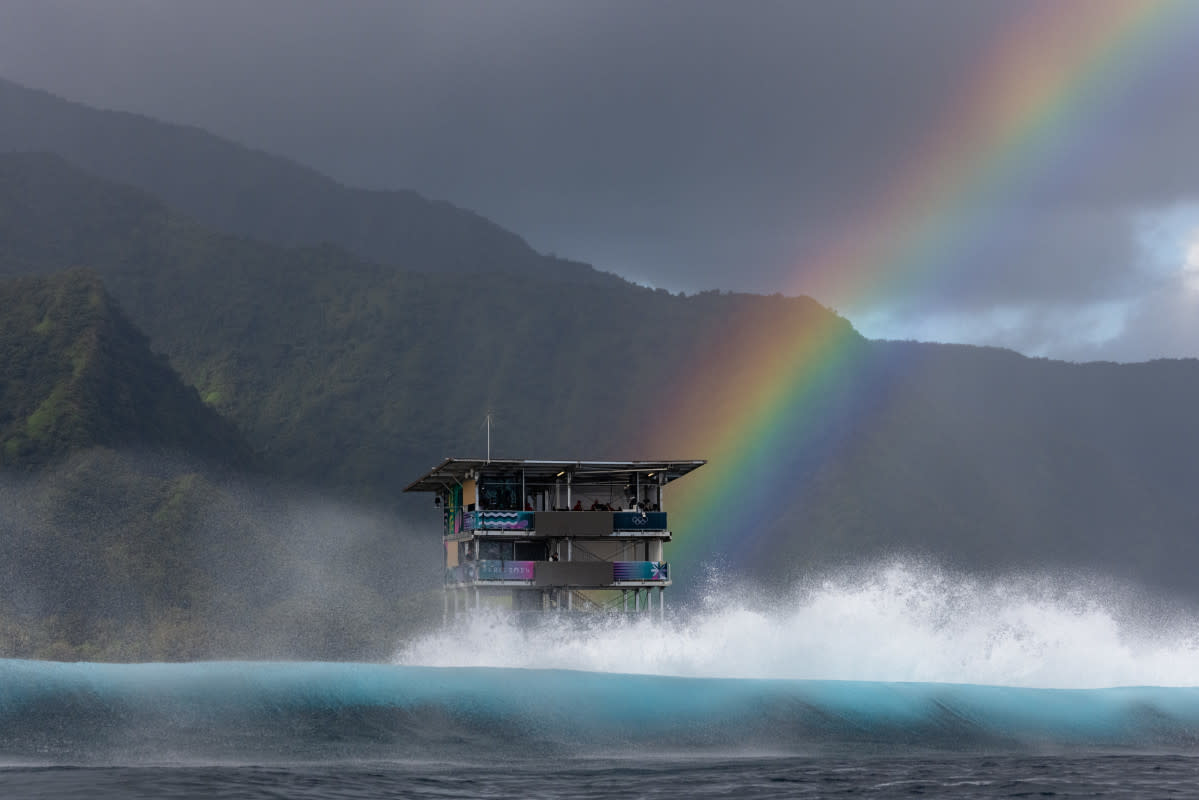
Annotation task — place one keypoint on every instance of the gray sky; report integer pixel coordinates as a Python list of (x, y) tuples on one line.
[(694, 145)]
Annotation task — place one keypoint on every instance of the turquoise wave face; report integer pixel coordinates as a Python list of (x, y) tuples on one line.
[(259, 712)]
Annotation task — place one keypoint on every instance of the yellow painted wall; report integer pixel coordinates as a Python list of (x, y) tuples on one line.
[(470, 493)]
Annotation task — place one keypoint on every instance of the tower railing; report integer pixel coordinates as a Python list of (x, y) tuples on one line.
[(555, 523), (587, 574)]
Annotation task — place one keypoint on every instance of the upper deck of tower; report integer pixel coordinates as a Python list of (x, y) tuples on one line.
[(544, 497)]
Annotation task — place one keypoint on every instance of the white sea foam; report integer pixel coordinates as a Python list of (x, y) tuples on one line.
[(894, 622)]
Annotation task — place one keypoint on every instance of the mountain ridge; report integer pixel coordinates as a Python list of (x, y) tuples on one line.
[(248, 192)]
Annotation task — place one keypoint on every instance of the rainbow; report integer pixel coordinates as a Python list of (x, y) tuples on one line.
[(1019, 118)]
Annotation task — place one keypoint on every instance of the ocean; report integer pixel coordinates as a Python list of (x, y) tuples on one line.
[(930, 775), (903, 685)]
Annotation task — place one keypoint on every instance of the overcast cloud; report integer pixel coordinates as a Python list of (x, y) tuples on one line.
[(694, 145)]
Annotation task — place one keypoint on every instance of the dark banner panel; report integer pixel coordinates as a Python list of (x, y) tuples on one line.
[(574, 523), (573, 573), (637, 521)]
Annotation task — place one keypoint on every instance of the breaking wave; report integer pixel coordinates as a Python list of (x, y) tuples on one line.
[(901, 657), (263, 712)]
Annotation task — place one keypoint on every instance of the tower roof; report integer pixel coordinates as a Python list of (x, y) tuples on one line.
[(457, 470)]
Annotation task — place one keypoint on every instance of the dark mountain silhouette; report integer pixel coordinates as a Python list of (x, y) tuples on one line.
[(235, 189)]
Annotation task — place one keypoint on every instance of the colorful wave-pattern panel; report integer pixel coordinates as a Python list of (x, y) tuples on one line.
[(498, 520)]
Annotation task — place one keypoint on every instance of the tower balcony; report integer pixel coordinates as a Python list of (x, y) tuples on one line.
[(558, 524), (572, 574)]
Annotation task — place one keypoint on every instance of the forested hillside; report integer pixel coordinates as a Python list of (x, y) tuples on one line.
[(74, 373)]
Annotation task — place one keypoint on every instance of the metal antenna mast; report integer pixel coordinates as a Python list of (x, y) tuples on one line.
[(489, 436)]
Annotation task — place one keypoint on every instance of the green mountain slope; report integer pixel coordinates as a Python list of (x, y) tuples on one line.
[(239, 190), (74, 373), (350, 375)]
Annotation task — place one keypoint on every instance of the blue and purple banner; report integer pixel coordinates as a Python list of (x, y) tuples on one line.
[(640, 571), (637, 521)]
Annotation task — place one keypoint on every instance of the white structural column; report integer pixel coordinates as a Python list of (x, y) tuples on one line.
[(662, 602)]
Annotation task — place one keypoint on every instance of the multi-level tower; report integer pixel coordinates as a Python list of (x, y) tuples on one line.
[(554, 535)]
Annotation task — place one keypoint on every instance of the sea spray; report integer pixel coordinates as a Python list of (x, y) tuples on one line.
[(900, 621)]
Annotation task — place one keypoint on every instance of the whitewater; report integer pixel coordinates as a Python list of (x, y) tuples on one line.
[(898, 622)]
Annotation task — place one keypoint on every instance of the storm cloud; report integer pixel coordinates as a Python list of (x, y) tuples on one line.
[(697, 145)]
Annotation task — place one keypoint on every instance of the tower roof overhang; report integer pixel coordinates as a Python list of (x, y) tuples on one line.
[(455, 471)]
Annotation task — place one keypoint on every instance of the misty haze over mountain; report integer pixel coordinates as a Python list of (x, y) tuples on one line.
[(701, 145)]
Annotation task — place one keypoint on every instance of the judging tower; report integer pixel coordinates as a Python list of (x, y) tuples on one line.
[(554, 535)]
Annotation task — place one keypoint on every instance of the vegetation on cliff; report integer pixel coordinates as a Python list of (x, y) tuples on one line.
[(75, 373)]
